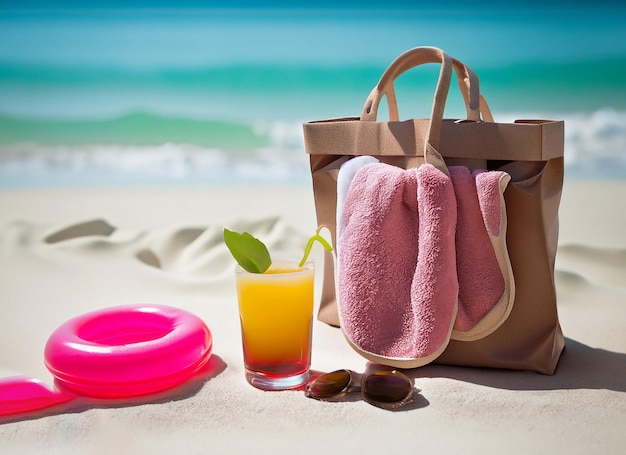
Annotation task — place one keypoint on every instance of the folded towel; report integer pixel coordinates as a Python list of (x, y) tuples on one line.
[(397, 285), (486, 284)]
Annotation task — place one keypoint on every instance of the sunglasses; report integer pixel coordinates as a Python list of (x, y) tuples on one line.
[(384, 389)]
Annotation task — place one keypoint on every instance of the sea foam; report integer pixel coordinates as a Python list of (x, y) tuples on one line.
[(595, 147)]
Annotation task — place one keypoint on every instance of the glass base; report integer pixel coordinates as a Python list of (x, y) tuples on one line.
[(265, 382)]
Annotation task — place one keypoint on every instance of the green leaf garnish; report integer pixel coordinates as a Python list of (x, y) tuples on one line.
[(309, 245), (252, 254), (249, 252)]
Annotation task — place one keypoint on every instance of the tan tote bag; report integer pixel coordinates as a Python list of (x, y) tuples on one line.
[(530, 151)]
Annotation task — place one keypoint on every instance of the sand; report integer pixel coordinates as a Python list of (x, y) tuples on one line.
[(67, 251)]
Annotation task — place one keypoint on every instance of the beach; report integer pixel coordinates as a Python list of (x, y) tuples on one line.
[(131, 137), (59, 260)]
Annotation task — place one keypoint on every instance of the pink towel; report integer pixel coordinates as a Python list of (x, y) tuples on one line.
[(413, 242), (486, 284), (397, 281)]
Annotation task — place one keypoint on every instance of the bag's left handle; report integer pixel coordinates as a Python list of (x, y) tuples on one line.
[(415, 57)]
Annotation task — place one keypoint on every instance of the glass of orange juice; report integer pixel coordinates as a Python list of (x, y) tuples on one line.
[(276, 314)]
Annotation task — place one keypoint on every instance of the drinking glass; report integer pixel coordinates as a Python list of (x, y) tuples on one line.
[(276, 314)]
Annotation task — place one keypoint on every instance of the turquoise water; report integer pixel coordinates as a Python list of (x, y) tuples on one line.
[(174, 95)]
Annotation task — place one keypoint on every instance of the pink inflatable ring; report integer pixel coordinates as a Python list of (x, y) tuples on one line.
[(128, 350)]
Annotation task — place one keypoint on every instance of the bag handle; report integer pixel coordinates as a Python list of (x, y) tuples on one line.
[(467, 80), (468, 84)]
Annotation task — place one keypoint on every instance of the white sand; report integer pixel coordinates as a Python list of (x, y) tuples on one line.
[(49, 274)]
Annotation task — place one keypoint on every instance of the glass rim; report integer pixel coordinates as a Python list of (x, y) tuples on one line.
[(307, 267)]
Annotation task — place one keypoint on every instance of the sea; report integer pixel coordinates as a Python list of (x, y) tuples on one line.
[(215, 93)]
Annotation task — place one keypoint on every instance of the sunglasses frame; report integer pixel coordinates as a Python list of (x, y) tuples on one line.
[(357, 383)]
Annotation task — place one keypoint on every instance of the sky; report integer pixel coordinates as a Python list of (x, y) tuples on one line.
[(286, 4)]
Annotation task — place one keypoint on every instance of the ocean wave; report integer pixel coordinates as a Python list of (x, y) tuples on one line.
[(595, 146), (217, 153), (244, 76), (599, 73), (59, 89), (595, 142), (135, 129), (35, 165)]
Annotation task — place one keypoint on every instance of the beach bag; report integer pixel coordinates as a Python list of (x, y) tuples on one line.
[(523, 159)]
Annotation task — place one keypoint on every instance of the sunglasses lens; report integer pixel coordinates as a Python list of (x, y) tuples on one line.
[(328, 385), (387, 387)]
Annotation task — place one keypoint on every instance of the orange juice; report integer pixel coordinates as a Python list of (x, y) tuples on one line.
[(276, 313)]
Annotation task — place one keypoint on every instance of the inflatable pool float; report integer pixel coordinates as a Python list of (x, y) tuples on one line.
[(116, 352)]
